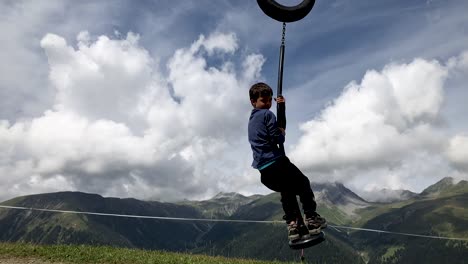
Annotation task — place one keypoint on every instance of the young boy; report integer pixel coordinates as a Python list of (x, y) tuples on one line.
[(277, 172)]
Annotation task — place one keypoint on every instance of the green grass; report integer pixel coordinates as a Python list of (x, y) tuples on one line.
[(373, 211), (334, 215), (391, 252), (107, 254)]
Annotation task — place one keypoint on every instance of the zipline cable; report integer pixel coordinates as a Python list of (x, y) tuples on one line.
[(226, 220), (139, 216)]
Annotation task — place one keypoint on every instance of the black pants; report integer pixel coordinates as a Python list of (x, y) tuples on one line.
[(284, 177)]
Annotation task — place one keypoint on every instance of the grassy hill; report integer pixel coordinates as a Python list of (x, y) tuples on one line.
[(437, 217), (262, 241), (228, 239), (440, 210), (222, 205), (58, 228), (105, 254), (445, 187)]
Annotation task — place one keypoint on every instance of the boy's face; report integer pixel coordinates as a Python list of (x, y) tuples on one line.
[(263, 102)]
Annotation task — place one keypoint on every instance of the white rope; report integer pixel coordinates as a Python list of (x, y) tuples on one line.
[(139, 216), (399, 233), (225, 220)]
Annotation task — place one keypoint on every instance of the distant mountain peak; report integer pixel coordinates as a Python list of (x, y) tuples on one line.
[(335, 193), (335, 188), (446, 180), (439, 186), (446, 186), (228, 195), (387, 195)]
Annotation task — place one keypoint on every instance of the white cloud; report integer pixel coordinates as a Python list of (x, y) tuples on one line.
[(116, 130), (226, 43), (384, 131), (103, 79), (110, 121), (24, 66), (457, 152), (377, 120)]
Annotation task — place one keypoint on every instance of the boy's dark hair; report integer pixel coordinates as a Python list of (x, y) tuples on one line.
[(259, 90)]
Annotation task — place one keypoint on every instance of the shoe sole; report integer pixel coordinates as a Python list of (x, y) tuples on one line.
[(315, 231), (294, 238)]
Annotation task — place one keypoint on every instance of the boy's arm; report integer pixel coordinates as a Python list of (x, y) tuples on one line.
[(273, 129)]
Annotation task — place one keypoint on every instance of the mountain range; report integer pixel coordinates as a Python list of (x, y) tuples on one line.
[(439, 210), (387, 195)]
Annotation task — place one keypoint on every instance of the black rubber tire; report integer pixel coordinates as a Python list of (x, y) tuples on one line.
[(286, 13), (308, 242)]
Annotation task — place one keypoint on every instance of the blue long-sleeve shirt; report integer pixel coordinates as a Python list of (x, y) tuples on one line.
[(264, 137)]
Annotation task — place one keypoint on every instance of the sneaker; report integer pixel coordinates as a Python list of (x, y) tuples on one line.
[(303, 231), (293, 231), (315, 224)]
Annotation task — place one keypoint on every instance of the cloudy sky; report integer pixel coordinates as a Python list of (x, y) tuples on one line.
[(149, 99)]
